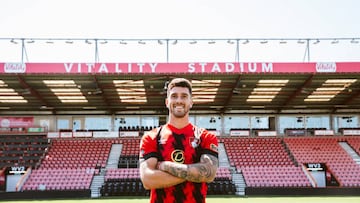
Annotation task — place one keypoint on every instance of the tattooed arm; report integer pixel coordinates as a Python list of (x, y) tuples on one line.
[(152, 178), (204, 171)]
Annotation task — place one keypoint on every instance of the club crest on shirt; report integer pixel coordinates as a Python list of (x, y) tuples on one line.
[(194, 142)]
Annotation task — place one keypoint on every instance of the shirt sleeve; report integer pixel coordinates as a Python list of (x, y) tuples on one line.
[(209, 143), (148, 146)]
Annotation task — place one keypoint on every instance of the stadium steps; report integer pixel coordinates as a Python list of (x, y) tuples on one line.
[(223, 159), (96, 184), (112, 162), (114, 156), (237, 178), (288, 152), (350, 151), (239, 182)]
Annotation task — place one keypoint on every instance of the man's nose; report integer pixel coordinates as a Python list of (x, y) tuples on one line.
[(179, 99)]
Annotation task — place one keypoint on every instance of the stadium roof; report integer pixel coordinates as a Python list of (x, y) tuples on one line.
[(120, 88)]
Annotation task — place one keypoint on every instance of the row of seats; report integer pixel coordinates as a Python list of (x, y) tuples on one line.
[(126, 181), (327, 150), (275, 176), (120, 174), (135, 188), (128, 161), (221, 187), (247, 154), (136, 128), (130, 146), (78, 153), (64, 179), (256, 151), (70, 164), (123, 188), (223, 173), (78, 159), (22, 150), (277, 157)]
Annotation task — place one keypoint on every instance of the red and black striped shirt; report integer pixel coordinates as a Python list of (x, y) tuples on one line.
[(177, 145)]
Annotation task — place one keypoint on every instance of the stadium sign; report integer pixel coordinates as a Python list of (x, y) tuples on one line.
[(315, 166), (17, 170), (186, 68)]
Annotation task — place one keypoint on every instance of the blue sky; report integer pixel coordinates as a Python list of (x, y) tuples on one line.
[(188, 19)]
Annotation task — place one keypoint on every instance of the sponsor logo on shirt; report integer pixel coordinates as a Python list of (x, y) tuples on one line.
[(178, 156)]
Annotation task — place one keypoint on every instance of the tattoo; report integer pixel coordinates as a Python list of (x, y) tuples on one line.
[(178, 170), (213, 160), (204, 171)]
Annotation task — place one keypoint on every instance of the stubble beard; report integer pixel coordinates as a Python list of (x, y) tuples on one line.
[(179, 114)]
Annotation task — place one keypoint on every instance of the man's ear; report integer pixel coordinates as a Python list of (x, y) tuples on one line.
[(166, 102)]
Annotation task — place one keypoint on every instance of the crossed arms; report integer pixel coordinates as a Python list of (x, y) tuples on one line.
[(164, 174)]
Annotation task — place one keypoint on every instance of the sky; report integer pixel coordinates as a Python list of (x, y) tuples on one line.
[(179, 19)]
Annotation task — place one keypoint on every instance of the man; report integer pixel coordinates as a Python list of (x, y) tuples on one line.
[(178, 159)]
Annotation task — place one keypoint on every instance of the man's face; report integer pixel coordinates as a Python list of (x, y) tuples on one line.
[(179, 101)]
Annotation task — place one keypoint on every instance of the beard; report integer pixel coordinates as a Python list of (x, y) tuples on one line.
[(179, 113)]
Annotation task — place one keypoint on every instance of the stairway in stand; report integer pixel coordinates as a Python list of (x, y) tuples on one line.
[(350, 151), (112, 162), (237, 177)]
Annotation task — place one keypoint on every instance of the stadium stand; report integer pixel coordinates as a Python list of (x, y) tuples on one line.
[(256, 151), (327, 150), (129, 157), (22, 150), (123, 182), (223, 184), (77, 153), (275, 176), (59, 179), (264, 162), (70, 164)]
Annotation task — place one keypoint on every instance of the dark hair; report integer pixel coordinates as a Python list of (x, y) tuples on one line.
[(179, 82)]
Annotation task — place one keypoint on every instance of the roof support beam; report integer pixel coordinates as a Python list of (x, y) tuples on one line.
[(99, 90), (297, 92), (33, 92), (348, 100), (230, 95)]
